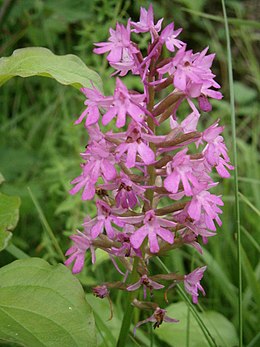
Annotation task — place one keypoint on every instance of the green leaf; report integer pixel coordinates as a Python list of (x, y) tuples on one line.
[(174, 334), (244, 94), (9, 216), (44, 305), (39, 61), (2, 179)]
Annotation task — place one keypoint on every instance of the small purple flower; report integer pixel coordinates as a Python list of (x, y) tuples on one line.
[(158, 317), (103, 221), (95, 101), (99, 163), (135, 144), (100, 291), (192, 283), (169, 36), (215, 151), (146, 282), (146, 23), (152, 228), (82, 242), (124, 103), (181, 169), (119, 42), (206, 203)]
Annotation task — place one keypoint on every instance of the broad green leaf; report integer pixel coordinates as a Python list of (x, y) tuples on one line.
[(44, 306), (9, 215), (175, 334), (39, 61)]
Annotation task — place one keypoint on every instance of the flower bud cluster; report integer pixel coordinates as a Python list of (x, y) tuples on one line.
[(152, 192)]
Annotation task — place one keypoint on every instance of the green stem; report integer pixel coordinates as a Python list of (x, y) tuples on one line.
[(151, 169), (129, 309), (16, 252), (237, 210)]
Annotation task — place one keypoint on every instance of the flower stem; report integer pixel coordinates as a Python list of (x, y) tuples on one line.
[(151, 169), (129, 309)]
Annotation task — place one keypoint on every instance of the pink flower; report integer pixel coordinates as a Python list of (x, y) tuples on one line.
[(82, 242), (157, 318), (95, 101), (103, 221), (206, 203), (192, 283), (146, 282), (119, 42), (169, 36), (100, 163), (152, 228), (101, 291), (133, 145), (124, 103), (146, 23), (126, 191), (215, 151), (181, 169)]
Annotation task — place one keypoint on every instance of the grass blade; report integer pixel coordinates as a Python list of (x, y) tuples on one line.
[(46, 225), (233, 126)]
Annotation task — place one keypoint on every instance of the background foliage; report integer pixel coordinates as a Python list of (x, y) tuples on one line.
[(39, 146)]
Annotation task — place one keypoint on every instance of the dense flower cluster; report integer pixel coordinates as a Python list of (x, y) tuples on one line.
[(153, 192)]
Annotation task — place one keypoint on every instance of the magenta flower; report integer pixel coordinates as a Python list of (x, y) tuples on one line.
[(146, 282), (126, 192), (204, 202), (153, 228), (135, 144), (146, 23), (158, 317), (169, 36), (82, 242), (100, 163), (181, 169), (192, 283), (216, 151), (95, 101), (123, 104), (119, 42), (103, 221), (101, 291)]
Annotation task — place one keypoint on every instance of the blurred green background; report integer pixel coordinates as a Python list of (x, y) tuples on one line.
[(39, 145)]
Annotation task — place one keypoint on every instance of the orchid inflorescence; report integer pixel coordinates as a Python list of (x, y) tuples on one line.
[(153, 191)]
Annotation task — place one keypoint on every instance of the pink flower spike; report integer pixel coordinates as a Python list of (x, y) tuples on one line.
[(158, 317), (192, 283)]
